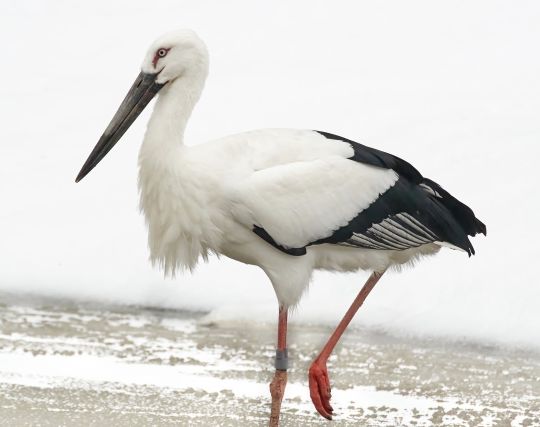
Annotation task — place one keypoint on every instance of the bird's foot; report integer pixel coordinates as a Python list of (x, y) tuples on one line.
[(319, 388), (277, 389)]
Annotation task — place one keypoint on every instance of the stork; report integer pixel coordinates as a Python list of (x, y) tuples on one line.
[(288, 201)]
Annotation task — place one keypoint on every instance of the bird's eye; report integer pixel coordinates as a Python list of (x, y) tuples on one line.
[(162, 52)]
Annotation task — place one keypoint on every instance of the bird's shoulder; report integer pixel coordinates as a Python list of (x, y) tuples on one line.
[(267, 148)]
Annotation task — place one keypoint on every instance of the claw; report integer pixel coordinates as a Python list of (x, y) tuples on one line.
[(319, 389)]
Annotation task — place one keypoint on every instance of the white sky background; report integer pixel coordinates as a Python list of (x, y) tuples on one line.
[(453, 87)]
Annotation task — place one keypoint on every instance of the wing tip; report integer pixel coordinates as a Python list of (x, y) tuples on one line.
[(480, 227)]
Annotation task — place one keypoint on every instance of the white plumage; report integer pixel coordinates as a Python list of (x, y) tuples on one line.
[(288, 201), (206, 198)]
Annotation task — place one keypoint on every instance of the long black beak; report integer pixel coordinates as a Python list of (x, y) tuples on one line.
[(141, 93)]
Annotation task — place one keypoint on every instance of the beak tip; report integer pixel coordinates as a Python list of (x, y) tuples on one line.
[(81, 175)]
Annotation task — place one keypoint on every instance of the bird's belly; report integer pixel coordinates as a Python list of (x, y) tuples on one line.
[(289, 275), (341, 258), (240, 253), (242, 245)]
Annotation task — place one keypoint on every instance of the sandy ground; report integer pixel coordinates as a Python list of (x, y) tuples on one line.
[(68, 364)]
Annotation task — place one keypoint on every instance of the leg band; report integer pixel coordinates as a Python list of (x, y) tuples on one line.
[(282, 359)]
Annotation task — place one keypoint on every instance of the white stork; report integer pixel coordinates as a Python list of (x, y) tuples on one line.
[(288, 201)]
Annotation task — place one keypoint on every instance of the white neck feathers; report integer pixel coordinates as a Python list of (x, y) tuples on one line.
[(170, 184)]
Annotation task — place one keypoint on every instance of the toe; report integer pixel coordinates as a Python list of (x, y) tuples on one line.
[(324, 391), (317, 402), (319, 389)]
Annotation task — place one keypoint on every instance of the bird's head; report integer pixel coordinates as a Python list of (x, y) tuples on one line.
[(175, 55)]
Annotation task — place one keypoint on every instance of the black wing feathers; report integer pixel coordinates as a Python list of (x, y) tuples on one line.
[(407, 213), (464, 214), (405, 216), (374, 157)]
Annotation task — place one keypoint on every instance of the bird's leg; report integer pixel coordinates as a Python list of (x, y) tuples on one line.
[(277, 386), (319, 384)]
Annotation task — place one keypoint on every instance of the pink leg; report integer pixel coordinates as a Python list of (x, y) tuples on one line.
[(277, 386), (319, 384)]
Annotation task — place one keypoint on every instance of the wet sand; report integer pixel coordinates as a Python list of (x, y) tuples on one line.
[(71, 364)]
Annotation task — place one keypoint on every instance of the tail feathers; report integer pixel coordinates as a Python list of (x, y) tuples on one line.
[(461, 213)]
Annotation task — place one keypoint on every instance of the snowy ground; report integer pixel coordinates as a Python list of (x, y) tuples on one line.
[(69, 364)]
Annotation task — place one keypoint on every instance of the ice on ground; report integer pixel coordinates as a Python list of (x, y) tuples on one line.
[(69, 364)]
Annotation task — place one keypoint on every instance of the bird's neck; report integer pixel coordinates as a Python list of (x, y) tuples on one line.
[(180, 230), (171, 113)]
